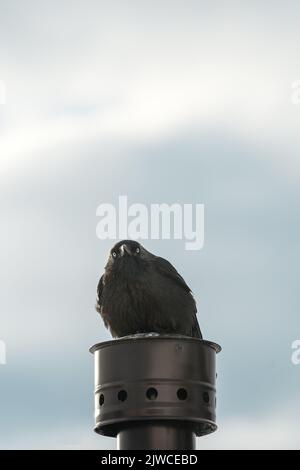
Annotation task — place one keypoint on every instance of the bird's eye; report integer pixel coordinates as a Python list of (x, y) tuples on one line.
[(114, 254), (137, 250)]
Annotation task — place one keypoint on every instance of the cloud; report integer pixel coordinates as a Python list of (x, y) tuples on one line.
[(163, 103), (276, 430), (269, 431), (128, 81)]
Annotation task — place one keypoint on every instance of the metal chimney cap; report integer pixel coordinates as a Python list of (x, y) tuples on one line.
[(155, 380), (153, 336)]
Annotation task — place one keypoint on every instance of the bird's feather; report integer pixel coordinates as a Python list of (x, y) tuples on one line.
[(99, 294), (167, 269), (142, 293)]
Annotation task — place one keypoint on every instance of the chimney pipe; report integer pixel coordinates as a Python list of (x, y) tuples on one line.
[(155, 392)]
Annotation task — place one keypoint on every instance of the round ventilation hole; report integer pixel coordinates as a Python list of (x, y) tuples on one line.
[(182, 394), (122, 395), (206, 397), (151, 393)]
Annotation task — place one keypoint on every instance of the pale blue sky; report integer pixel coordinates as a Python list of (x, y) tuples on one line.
[(180, 102)]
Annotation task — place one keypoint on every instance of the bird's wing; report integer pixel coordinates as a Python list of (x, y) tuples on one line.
[(99, 294), (167, 269), (196, 332)]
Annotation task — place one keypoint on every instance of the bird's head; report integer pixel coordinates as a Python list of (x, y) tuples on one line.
[(127, 256), (125, 248)]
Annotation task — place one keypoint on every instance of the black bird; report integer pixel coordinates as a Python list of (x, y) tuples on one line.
[(143, 293)]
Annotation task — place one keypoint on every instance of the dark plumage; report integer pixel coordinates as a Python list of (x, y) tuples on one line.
[(143, 293)]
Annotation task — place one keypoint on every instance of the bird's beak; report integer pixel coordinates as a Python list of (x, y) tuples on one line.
[(125, 249)]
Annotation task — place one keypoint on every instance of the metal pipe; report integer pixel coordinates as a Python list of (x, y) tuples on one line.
[(155, 391), (159, 435)]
